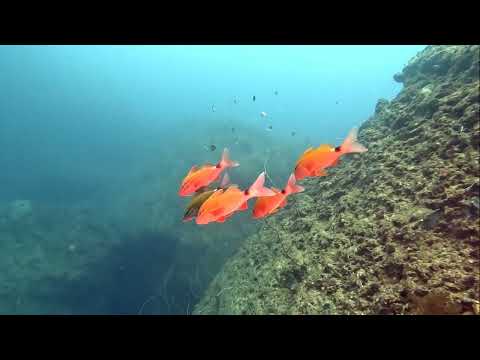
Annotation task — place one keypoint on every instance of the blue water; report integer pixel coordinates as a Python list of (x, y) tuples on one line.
[(87, 123)]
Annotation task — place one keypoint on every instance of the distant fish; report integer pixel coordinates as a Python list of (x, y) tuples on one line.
[(293, 133), (214, 108), (222, 204), (276, 92), (269, 128), (233, 129), (235, 101), (313, 162), (200, 176), (263, 114), (337, 102), (269, 205), (253, 98), (200, 197), (210, 147)]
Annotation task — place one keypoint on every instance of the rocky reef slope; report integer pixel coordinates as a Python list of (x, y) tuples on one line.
[(391, 231)]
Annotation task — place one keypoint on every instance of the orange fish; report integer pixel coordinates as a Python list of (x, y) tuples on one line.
[(199, 177), (271, 204), (223, 203), (200, 197), (313, 162)]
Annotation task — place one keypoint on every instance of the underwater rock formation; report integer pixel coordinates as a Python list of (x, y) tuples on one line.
[(392, 231)]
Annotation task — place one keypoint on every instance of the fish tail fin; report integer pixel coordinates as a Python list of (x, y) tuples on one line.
[(187, 218), (292, 187), (226, 162), (257, 189), (225, 181), (350, 144)]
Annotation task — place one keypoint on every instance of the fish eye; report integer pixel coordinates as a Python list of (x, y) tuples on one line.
[(218, 166), (338, 149), (283, 191)]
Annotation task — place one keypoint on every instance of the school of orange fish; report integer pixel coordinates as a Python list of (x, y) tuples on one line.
[(218, 204)]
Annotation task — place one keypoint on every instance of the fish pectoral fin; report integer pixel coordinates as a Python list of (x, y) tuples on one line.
[(283, 203), (243, 207), (301, 172), (223, 218), (218, 211)]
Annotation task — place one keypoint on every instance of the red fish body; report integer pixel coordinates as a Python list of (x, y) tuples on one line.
[(199, 177), (223, 203), (200, 197), (313, 162), (268, 205)]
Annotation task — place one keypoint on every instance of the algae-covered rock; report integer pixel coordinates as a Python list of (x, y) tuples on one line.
[(391, 231)]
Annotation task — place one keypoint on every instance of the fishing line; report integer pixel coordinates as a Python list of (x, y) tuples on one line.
[(265, 170), (146, 302)]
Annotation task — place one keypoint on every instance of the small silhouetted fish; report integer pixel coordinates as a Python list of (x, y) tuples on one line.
[(293, 133), (263, 114), (235, 101), (214, 108), (253, 98), (233, 130), (337, 102), (276, 92), (210, 147), (269, 128)]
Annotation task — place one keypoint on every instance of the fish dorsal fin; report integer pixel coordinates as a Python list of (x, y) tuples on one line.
[(276, 190), (325, 148), (307, 151), (232, 188), (193, 169), (205, 165)]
